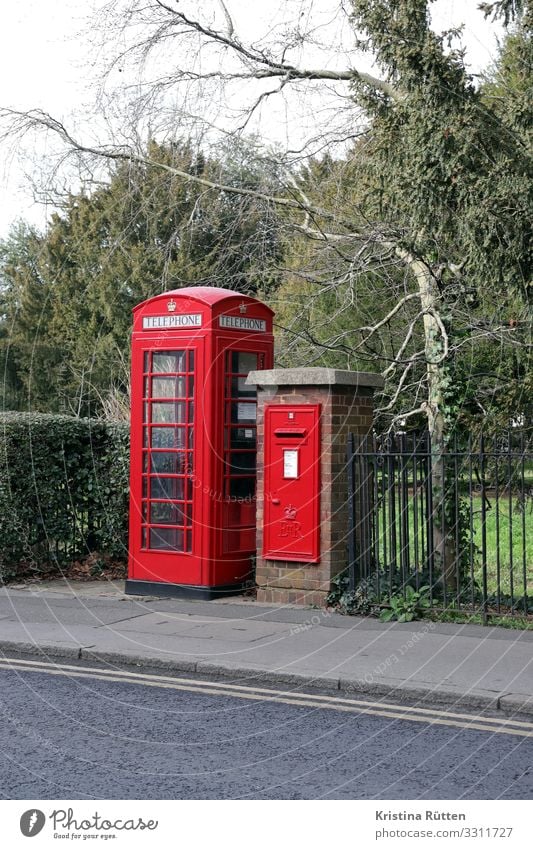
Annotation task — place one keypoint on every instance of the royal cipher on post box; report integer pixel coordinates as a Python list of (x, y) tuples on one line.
[(193, 440)]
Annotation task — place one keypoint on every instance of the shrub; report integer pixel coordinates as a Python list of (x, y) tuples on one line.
[(63, 491)]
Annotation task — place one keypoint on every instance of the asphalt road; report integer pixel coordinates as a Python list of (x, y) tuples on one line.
[(66, 737)]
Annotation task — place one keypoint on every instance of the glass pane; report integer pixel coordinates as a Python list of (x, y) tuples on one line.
[(163, 437), (146, 387), (167, 539), (166, 412), (163, 412), (145, 487), (191, 411), (240, 389), (164, 463), (243, 412), (241, 463), (168, 387), (243, 488), (167, 514), (143, 538), (146, 361), (242, 362), (162, 387), (166, 488), (191, 360), (241, 437), (168, 361), (167, 437)]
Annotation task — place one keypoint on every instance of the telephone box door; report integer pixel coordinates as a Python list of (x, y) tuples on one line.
[(166, 498)]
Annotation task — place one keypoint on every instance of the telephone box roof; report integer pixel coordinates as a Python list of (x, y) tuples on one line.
[(209, 295)]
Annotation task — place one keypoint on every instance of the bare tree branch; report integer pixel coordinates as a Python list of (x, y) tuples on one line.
[(399, 388), (391, 314), (421, 410), (401, 350), (273, 68), (230, 28)]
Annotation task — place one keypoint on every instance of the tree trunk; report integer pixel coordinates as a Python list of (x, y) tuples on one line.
[(444, 548)]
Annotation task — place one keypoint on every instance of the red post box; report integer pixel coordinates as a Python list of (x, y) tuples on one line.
[(193, 440), (292, 483)]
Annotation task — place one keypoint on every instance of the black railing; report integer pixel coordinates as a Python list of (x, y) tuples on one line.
[(458, 521)]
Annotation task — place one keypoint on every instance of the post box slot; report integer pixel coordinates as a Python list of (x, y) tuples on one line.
[(286, 432)]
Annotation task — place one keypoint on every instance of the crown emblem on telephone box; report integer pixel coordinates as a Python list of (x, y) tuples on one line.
[(171, 305)]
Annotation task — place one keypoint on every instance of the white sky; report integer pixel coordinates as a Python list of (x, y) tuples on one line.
[(39, 55), (44, 61)]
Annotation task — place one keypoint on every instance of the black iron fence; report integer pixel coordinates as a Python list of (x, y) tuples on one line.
[(455, 525)]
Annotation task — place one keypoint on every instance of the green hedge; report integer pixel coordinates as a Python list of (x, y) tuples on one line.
[(63, 491)]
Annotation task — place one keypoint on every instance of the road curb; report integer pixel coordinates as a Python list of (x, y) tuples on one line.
[(509, 704), (516, 703), (428, 696), (255, 675)]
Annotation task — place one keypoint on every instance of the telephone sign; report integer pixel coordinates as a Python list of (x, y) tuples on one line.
[(237, 322), (158, 322)]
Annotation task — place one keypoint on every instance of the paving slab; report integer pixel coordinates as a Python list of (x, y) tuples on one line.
[(423, 661)]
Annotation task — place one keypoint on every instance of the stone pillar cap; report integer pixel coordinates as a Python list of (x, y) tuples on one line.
[(314, 376)]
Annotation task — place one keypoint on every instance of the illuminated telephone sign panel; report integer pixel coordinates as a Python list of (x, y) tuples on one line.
[(193, 440), (292, 483)]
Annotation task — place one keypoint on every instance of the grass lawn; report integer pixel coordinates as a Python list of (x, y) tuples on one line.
[(509, 541), (509, 546)]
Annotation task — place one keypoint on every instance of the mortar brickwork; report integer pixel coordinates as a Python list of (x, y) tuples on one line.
[(346, 407)]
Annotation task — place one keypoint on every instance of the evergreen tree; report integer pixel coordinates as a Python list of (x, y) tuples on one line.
[(69, 293)]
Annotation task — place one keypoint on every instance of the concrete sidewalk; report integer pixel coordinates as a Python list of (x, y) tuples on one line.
[(423, 662)]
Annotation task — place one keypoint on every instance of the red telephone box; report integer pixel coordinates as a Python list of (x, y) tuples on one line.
[(193, 441)]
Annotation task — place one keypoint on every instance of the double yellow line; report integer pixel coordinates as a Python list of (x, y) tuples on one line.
[(494, 725)]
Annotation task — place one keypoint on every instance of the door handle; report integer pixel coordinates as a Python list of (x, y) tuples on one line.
[(276, 501)]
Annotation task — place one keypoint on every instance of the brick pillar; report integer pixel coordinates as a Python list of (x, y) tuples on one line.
[(346, 399)]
